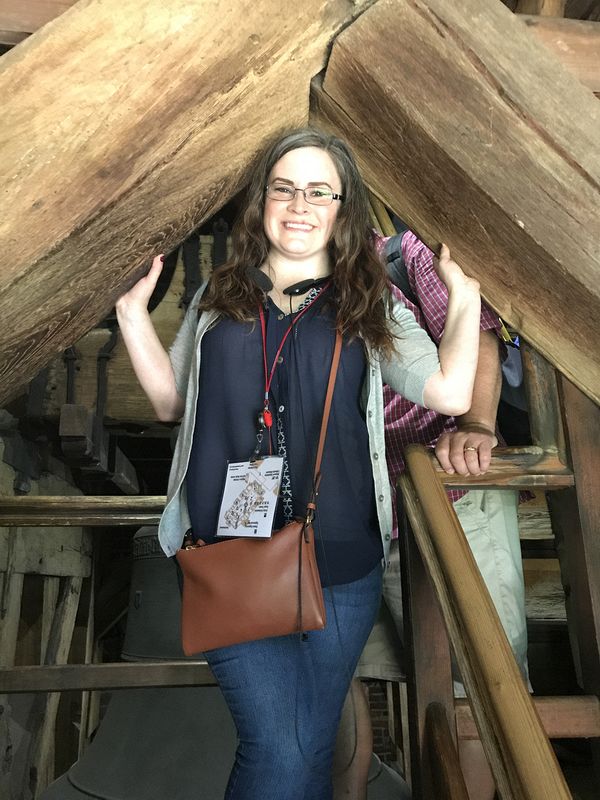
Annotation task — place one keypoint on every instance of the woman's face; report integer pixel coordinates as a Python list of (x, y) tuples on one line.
[(296, 229)]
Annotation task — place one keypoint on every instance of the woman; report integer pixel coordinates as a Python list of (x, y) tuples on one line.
[(305, 229)]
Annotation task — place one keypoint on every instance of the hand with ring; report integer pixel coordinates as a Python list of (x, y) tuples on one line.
[(466, 452)]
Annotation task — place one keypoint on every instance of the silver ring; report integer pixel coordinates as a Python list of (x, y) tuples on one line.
[(469, 448)]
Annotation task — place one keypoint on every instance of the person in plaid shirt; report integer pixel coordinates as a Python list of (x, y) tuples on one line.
[(489, 519)]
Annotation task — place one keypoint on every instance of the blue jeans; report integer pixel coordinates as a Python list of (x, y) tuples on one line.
[(286, 697)]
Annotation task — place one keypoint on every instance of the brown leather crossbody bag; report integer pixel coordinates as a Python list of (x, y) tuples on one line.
[(245, 589)]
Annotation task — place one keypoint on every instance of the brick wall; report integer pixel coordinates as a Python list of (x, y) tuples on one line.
[(382, 744)]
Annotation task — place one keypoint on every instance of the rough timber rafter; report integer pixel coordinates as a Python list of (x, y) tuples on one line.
[(500, 160), (125, 124)]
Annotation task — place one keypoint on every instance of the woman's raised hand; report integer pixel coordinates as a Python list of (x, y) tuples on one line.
[(149, 358), (452, 275), (140, 293)]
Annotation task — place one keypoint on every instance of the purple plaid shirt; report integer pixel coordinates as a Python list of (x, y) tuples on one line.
[(405, 422)]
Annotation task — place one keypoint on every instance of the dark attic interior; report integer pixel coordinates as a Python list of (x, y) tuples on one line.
[(127, 130)]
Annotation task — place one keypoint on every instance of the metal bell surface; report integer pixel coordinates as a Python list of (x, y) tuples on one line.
[(153, 629), (155, 744)]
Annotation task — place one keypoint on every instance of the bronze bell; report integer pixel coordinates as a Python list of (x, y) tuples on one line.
[(155, 744), (154, 618), (159, 743)]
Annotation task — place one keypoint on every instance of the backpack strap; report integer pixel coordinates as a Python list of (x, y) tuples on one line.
[(396, 267)]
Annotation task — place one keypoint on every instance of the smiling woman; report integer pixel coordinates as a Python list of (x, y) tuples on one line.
[(294, 239), (248, 371), (298, 227)]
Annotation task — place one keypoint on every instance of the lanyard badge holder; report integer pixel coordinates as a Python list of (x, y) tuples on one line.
[(265, 415), (252, 487)]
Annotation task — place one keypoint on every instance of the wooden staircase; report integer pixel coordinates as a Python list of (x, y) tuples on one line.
[(446, 600)]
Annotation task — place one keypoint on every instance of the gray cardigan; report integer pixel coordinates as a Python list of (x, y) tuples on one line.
[(416, 359)]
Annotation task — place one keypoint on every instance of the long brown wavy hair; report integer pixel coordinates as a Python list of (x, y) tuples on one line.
[(358, 274)]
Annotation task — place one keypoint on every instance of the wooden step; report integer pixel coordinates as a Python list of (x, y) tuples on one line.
[(562, 717)]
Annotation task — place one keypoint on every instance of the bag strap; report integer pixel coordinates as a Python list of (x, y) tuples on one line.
[(335, 361), (312, 503), (396, 267)]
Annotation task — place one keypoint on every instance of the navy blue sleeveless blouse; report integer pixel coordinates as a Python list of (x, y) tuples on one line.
[(230, 398)]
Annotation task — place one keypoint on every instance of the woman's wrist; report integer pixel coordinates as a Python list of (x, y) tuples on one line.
[(128, 312)]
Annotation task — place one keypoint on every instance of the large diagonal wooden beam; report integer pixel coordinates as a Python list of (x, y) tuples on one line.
[(473, 133), (125, 123)]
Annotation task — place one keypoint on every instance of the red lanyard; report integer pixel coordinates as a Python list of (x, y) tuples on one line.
[(265, 419)]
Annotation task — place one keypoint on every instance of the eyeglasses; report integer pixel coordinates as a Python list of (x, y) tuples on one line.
[(315, 195)]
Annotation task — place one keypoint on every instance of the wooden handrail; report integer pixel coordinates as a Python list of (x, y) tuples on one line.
[(110, 676), (522, 761), (95, 511), (514, 468), (511, 467)]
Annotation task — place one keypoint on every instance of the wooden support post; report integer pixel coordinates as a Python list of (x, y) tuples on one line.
[(40, 756), (581, 542), (394, 716), (51, 590), (10, 601), (86, 697), (429, 670), (545, 8), (448, 779), (405, 728), (447, 150), (93, 712), (10, 612), (543, 403)]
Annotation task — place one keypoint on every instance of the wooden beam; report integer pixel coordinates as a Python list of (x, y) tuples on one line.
[(562, 717), (575, 43), (125, 124), (543, 403), (501, 162), (76, 677)]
